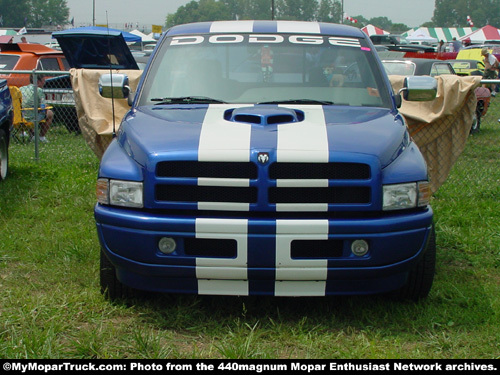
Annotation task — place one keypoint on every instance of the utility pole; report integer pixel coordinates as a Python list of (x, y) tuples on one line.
[(272, 9), (93, 13), (342, 13)]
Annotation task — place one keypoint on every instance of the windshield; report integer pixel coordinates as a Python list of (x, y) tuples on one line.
[(272, 68), (8, 62)]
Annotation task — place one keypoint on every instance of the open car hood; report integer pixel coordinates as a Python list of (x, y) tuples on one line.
[(97, 48)]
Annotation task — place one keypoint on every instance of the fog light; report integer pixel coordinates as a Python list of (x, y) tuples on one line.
[(167, 245), (359, 247)]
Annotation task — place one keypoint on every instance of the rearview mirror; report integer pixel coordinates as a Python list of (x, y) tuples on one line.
[(419, 88), (114, 86)]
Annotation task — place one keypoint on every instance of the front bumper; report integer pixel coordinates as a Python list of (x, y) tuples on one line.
[(289, 257)]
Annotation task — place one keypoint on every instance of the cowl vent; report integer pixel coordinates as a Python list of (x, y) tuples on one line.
[(262, 115)]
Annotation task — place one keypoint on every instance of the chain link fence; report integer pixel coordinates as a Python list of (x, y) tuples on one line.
[(37, 110)]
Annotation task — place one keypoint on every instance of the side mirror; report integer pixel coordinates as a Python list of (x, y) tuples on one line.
[(114, 86), (419, 88)]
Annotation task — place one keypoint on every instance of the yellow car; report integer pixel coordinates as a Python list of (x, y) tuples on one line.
[(467, 67)]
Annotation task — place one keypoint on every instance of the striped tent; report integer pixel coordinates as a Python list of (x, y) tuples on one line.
[(8, 32), (373, 30), (443, 33), (485, 33)]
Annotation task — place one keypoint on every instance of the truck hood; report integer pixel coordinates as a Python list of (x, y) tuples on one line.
[(229, 132)]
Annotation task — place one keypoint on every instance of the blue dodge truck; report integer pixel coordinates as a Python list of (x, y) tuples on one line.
[(265, 158)]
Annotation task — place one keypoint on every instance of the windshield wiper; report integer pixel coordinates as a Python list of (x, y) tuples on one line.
[(187, 100), (299, 101)]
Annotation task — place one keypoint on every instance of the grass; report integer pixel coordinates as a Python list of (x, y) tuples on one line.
[(51, 307)]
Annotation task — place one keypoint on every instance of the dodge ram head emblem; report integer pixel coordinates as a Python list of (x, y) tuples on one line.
[(263, 157)]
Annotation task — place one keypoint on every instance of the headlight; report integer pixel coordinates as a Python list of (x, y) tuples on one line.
[(400, 197), (404, 196), (120, 193)]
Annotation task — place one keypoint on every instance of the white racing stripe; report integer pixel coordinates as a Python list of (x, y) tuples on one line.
[(308, 275), (304, 141), (222, 140), (231, 27), (223, 276), (298, 27)]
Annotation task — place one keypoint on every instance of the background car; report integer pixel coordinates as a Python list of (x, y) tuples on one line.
[(417, 67), (465, 67), (473, 52), (399, 43), (29, 56)]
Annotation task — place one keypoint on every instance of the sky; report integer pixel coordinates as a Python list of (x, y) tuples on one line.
[(144, 13)]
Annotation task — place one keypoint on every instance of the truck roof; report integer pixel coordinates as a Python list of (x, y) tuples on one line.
[(248, 26)]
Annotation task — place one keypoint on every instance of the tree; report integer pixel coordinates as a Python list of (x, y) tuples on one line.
[(249, 9), (12, 13), (329, 11), (382, 22), (303, 10), (46, 12), (453, 13), (199, 11), (398, 28)]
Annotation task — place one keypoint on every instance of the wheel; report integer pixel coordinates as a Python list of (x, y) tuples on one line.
[(111, 287), (4, 155), (420, 279)]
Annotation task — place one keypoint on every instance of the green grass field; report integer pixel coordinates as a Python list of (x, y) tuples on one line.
[(51, 305)]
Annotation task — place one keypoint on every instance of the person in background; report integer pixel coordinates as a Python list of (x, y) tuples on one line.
[(23, 39), (457, 45), (441, 47), (490, 68), (28, 92)]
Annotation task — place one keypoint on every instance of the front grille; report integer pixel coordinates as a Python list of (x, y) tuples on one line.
[(328, 171), (195, 169), (191, 193), (330, 195), (262, 185)]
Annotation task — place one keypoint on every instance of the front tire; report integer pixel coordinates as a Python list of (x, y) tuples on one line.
[(111, 287), (421, 277)]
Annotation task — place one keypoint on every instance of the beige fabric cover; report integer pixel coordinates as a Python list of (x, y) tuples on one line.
[(95, 113), (440, 127)]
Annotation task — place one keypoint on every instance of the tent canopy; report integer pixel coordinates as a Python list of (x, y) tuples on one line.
[(8, 32), (130, 38), (442, 33), (485, 33), (373, 30), (421, 36), (6, 38), (144, 38)]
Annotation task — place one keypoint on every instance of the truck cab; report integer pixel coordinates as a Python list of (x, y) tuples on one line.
[(265, 158)]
